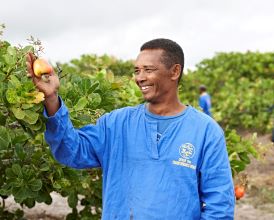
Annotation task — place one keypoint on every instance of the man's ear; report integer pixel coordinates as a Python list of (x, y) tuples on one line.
[(176, 70)]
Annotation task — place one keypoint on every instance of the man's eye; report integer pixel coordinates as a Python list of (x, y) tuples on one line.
[(136, 71), (148, 70)]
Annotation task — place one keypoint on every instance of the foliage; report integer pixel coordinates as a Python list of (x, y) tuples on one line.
[(91, 63), (27, 169), (241, 86), (239, 150)]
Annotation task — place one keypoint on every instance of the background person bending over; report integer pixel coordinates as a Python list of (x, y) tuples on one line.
[(161, 159), (205, 100)]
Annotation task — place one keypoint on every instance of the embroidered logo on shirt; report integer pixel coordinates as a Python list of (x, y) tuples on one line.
[(186, 151)]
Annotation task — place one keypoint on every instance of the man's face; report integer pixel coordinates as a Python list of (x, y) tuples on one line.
[(152, 76)]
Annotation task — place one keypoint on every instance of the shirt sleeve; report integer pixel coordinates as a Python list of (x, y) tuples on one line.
[(77, 148), (216, 184)]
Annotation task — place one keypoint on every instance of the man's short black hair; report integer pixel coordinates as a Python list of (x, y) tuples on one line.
[(173, 53)]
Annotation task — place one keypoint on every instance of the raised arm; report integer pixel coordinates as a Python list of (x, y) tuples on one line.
[(78, 148)]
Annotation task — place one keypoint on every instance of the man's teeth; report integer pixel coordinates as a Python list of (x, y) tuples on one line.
[(144, 87)]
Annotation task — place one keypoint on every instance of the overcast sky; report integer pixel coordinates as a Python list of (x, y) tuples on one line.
[(69, 28)]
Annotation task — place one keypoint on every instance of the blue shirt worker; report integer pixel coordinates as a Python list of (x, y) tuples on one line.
[(161, 160), (205, 100)]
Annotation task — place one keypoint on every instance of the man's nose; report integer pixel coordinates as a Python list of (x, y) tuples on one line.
[(141, 76)]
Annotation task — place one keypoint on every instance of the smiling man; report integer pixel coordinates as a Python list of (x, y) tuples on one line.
[(160, 160)]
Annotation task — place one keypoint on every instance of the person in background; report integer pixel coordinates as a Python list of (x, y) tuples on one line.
[(205, 100), (161, 160)]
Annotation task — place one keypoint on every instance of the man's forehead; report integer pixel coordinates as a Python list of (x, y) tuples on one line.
[(149, 56), (151, 52)]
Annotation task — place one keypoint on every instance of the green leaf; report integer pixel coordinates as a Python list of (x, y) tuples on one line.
[(4, 191), (44, 196), (11, 51), (27, 106), (94, 87), (36, 107), (2, 75), (14, 81), (3, 119), (82, 102), (16, 183), (4, 138), (22, 193), (233, 155), (237, 165), (37, 126), (20, 138), (10, 174), (72, 199), (57, 185), (95, 99), (18, 113), (101, 74), (31, 117), (19, 150), (12, 96), (44, 167), (29, 202), (35, 184), (27, 49), (84, 85), (244, 157), (9, 60), (253, 151), (115, 85), (16, 169), (28, 173)]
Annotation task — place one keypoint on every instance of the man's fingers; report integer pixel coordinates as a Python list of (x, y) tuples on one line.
[(31, 73), (30, 70), (33, 57), (29, 57)]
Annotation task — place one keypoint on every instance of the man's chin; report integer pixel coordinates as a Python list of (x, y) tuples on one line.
[(149, 99), (146, 98)]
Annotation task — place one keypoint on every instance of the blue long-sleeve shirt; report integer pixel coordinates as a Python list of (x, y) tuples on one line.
[(185, 175)]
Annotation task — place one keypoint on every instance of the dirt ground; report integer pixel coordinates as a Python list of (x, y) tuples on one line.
[(257, 204)]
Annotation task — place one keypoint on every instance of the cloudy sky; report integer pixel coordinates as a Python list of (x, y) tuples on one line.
[(69, 28)]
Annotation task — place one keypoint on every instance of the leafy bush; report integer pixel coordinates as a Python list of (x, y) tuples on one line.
[(241, 86)]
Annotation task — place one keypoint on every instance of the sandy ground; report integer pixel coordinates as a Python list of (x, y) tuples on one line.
[(56, 211), (256, 204), (59, 209)]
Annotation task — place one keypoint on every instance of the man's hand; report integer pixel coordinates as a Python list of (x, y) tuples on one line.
[(49, 87)]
